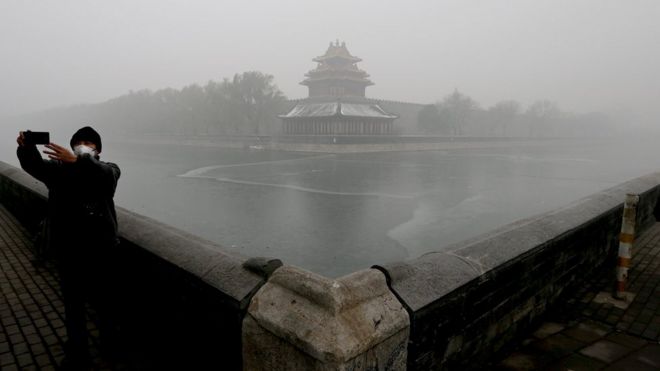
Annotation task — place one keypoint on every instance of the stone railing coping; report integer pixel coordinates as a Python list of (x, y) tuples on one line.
[(26, 180), (231, 273), (421, 281), (331, 320)]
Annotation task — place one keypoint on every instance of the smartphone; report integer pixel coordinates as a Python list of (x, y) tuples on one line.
[(36, 137)]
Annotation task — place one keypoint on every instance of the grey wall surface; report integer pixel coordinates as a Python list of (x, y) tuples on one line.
[(406, 124), (470, 301), (182, 299)]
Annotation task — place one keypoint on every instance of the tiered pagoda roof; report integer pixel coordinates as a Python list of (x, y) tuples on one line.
[(336, 67), (337, 104), (338, 109)]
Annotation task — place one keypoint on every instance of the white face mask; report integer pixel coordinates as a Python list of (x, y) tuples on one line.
[(82, 149)]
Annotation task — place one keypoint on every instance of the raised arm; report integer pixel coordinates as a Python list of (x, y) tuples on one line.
[(103, 175), (32, 162)]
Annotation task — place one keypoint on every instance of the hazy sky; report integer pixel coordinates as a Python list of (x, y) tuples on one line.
[(584, 54)]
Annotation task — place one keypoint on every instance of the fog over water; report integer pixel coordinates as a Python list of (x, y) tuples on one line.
[(335, 214), (592, 64)]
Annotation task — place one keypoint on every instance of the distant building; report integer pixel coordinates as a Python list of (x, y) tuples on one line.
[(337, 104)]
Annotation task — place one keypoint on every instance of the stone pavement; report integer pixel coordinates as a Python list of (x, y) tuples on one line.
[(590, 331), (32, 331)]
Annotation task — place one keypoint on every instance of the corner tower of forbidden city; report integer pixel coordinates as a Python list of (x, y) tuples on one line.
[(337, 104)]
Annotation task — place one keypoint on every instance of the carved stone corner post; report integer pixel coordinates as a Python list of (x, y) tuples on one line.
[(302, 321)]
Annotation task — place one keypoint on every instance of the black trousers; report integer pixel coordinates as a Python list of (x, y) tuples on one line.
[(87, 276)]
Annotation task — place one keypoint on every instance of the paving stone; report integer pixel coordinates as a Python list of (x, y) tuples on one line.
[(61, 332), (12, 330), (42, 360), (53, 315), (37, 349), (20, 314), (626, 340), (520, 362), (557, 346), (644, 317), (650, 355), (58, 358), (622, 326), (547, 329), (630, 364), (9, 321), (650, 334), (6, 359), (28, 330), (637, 329), (51, 340), (33, 339), (606, 351), (24, 360), (586, 332), (577, 362), (19, 349), (16, 338)]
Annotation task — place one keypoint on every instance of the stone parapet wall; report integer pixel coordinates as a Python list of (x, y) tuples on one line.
[(469, 301), (182, 298)]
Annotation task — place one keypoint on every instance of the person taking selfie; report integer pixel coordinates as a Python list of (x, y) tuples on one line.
[(82, 224)]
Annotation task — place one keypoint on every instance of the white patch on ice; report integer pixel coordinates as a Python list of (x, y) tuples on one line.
[(303, 189), (202, 170), (200, 173), (429, 220)]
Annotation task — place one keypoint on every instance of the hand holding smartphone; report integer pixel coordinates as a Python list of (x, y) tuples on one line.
[(36, 137)]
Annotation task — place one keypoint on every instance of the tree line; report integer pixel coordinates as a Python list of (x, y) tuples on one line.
[(458, 114), (249, 104), (246, 104), (243, 105)]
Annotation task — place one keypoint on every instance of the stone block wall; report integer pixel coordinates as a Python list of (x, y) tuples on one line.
[(471, 300)]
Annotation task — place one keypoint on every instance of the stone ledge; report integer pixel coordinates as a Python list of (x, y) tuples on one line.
[(181, 295), (473, 298), (322, 323), (419, 284), (210, 262)]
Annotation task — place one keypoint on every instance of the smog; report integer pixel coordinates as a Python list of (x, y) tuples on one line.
[(338, 135)]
